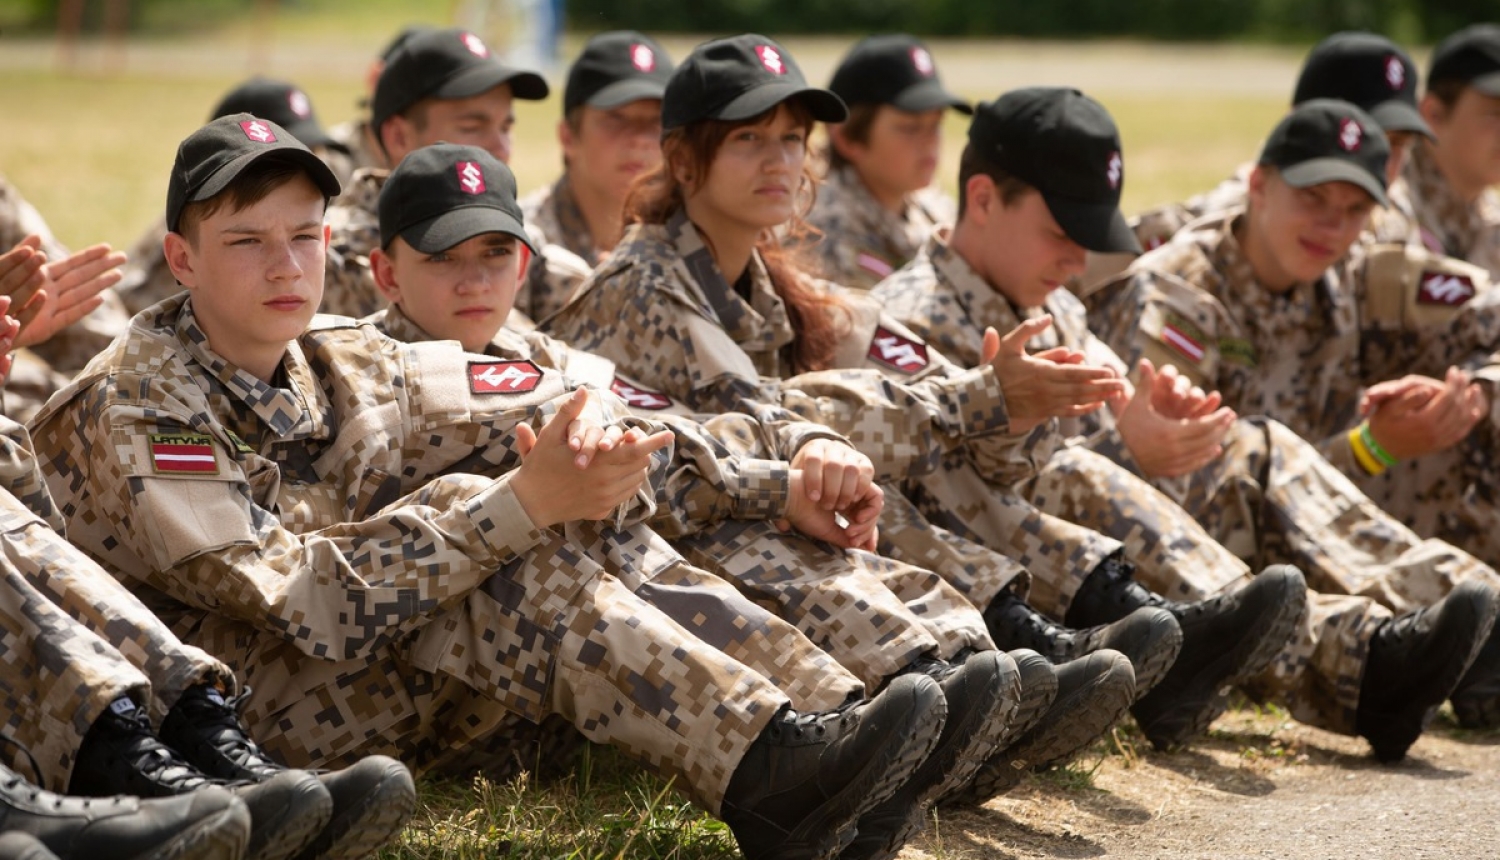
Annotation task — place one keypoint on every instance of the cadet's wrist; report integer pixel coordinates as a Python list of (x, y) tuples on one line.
[(1371, 456)]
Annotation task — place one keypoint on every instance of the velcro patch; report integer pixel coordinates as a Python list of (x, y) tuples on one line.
[(1444, 288), (897, 351), (503, 377), (183, 452), (638, 397), (1184, 337), (1238, 351)]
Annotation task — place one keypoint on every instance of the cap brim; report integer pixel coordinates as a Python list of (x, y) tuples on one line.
[(929, 95), (1098, 227), (321, 175), (528, 86), (1396, 115), (1487, 84), (1320, 170), (460, 225), (823, 104), (311, 134), (625, 92)]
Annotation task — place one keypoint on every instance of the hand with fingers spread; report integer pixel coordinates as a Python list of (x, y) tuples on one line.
[(855, 526), (1055, 383), (70, 290), (1164, 445), (1175, 396), (550, 484), (1417, 415), (22, 274)]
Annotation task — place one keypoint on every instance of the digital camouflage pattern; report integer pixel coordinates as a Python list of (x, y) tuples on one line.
[(860, 242), (875, 616), (1269, 499), (335, 541), (1304, 359), (66, 628), (1468, 231)]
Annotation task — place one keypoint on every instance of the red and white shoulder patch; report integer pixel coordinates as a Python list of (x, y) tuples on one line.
[(183, 453), (897, 351), (639, 397), (1444, 288), (503, 377)]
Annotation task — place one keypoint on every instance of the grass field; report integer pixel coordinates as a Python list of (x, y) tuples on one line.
[(91, 147)]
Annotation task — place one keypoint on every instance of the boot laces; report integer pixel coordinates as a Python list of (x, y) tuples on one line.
[(141, 750), (220, 726)]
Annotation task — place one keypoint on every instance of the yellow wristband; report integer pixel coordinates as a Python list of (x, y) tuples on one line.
[(1362, 454)]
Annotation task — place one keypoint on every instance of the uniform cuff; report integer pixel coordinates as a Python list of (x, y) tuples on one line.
[(764, 489), (502, 522), (979, 402)]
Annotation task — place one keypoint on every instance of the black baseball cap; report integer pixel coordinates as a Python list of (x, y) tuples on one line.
[(739, 78), (281, 103), (1471, 56), (1327, 140), (444, 194), (452, 63), (401, 39), (211, 157), (617, 68), (1368, 70), (1066, 146), (895, 70)]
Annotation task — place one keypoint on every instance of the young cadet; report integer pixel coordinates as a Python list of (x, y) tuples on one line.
[(307, 501), (610, 133), (1449, 182), (448, 263), (663, 308), (355, 135), (440, 85), (1040, 182), (875, 204), (92, 668), (147, 278)]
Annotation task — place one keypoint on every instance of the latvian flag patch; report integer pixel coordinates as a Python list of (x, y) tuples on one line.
[(1184, 338), (178, 453)]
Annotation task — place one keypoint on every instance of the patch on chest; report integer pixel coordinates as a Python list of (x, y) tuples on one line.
[(638, 397), (183, 452), (896, 351), (503, 377), (1184, 337), (1444, 288)]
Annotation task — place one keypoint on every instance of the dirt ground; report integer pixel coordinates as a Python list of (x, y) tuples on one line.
[(1258, 786)]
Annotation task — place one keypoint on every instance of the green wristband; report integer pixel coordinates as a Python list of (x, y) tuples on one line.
[(1380, 453)]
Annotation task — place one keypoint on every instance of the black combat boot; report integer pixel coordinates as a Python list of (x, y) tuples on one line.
[(804, 782), (15, 845), (1038, 692), (1092, 693), (119, 755), (208, 824), (372, 799), (982, 692), (1226, 640), (1149, 637), (1415, 660), (1476, 699)]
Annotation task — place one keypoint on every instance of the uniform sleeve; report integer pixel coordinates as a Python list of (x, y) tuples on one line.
[(21, 476), (336, 593)]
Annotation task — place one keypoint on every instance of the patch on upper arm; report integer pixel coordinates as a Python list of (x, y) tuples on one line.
[(897, 351), (188, 494), (1173, 338)]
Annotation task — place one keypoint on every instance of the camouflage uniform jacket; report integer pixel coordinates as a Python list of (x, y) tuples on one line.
[(228, 500), (1468, 231), (861, 241), (660, 309), (360, 150), (553, 212), (1303, 357), (941, 298)]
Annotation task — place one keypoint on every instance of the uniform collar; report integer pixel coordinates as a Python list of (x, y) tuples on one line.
[(288, 412), (1453, 224), (759, 325), (985, 305), (1266, 310), (573, 228), (507, 343)]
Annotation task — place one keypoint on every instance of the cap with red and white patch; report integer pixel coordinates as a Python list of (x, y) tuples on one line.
[(896, 70), (1326, 140), (441, 195), (280, 102), (617, 68), (740, 78), (450, 63), (214, 155)]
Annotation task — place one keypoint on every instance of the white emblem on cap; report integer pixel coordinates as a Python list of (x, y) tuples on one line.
[(258, 131), (1350, 134), (297, 101), (922, 61), (1115, 170), (642, 58), (476, 45), (1395, 73), (771, 59), (470, 177)]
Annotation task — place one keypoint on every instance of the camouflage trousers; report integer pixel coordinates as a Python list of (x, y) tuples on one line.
[(31, 381), (569, 629), (874, 615), (1452, 495), (1272, 499), (74, 640)]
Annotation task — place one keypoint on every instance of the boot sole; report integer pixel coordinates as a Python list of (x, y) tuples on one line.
[(225, 835), (1160, 657), (1249, 658), (1107, 697), (1037, 696), (875, 785), (294, 826), (959, 763), (362, 829)]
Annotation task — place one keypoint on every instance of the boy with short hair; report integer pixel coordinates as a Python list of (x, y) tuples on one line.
[(306, 501)]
